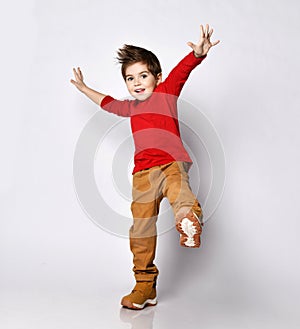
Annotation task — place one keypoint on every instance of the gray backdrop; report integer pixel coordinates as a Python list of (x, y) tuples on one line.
[(59, 269)]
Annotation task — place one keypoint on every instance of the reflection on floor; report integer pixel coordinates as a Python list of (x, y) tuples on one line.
[(37, 309), (138, 319)]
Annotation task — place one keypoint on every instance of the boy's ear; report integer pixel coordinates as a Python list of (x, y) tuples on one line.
[(158, 78)]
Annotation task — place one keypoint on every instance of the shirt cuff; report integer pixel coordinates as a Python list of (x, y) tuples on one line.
[(198, 58)]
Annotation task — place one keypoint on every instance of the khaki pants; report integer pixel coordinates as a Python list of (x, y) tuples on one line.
[(150, 186)]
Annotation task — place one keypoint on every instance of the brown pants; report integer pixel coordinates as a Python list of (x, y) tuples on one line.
[(150, 186)]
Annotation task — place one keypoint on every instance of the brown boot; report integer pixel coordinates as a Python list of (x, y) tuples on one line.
[(190, 230), (143, 294)]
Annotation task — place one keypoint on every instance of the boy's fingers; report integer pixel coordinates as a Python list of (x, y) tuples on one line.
[(80, 73), (202, 31), (75, 72), (192, 45), (215, 43), (206, 30)]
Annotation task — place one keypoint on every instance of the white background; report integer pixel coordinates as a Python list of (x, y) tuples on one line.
[(58, 269)]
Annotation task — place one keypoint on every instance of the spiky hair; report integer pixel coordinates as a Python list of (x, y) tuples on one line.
[(128, 55)]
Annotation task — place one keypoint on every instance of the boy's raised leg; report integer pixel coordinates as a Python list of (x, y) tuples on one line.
[(186, 208)]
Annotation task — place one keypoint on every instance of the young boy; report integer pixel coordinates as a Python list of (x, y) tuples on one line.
[(161, 162)]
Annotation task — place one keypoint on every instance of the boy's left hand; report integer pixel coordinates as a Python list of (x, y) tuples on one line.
[(204, 44)]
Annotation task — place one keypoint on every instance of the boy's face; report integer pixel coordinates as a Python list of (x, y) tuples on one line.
[(140, 82)]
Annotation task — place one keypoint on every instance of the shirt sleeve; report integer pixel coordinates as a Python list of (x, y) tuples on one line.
[(180, 73), (111, 105)]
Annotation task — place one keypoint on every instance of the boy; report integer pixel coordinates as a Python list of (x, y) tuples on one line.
[(161, 162)]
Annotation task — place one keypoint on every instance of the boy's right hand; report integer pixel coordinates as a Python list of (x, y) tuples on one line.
[(78, 82), (93, 95)]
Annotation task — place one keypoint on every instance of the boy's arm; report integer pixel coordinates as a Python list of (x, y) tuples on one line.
[(180, 73), (93, 95), (121, 108)]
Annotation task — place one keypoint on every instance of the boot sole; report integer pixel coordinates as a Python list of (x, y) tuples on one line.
[(190, 231), (134, 306)]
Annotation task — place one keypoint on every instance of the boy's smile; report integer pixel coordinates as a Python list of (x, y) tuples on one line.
[(140, 81)]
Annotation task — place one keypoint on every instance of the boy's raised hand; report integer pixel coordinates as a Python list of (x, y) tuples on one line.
[(204, 43), (78, 82), (93, 95)]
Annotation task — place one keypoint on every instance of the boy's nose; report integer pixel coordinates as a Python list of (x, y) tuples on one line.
[(136, 81)]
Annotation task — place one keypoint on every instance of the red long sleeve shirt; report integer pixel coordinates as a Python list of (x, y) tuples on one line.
[(154, 121)]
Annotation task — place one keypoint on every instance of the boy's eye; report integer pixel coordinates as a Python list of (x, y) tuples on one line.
[(129, 78), (144, 76)]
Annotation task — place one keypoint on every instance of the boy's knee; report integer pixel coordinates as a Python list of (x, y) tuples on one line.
[(143, 228)]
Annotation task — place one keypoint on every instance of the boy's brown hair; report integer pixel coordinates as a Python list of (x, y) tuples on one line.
[(128, 55)]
